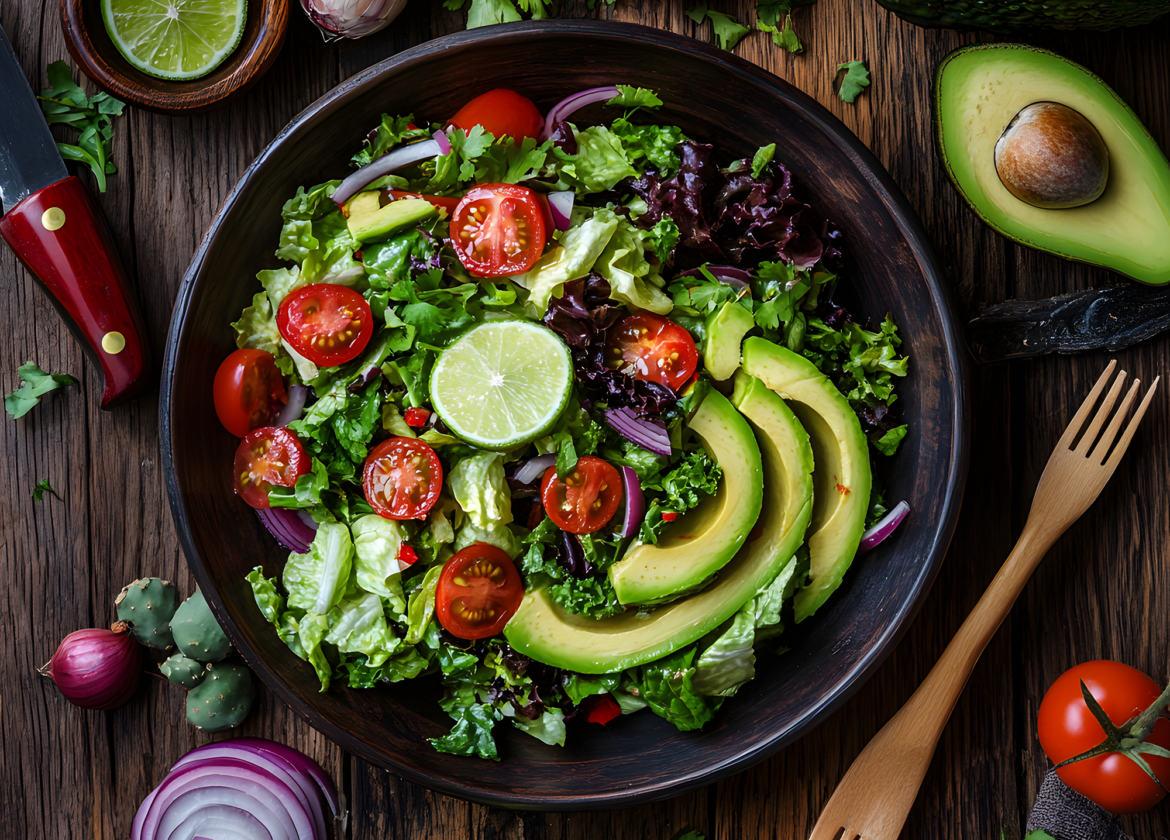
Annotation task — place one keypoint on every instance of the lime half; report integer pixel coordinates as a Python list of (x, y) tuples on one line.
[(175, 39), (503, 383)]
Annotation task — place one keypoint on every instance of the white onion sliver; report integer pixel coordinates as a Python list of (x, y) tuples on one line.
[(560, 203), (535, 468), (392, 161), (883, 527), (297, 396)]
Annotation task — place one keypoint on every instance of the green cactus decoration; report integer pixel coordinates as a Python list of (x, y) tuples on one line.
[(197, 634), (183, 671), (223, 699), (148, 605)]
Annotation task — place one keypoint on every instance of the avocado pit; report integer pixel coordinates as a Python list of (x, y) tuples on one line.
[(1051, 156)]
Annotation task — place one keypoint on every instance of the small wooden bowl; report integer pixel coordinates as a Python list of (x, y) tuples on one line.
[(99, 59)]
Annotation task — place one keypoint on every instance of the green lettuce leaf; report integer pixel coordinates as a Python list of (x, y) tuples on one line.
[(312, 629), (472, 732), (549, 727), (268, 599), (478, 485), (623, 263), (667, 685), (421, 607), (494, 534), (376, 542), (316, 581), (571, 259), (358, 625), (599, 165)]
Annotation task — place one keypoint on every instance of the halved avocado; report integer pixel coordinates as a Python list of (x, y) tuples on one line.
[(544, 631), (841, 475), (700, 542), (977, 92)]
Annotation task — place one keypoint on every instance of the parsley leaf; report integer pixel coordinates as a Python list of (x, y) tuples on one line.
[(856, 79), (35, 384), (65, 103), (635, 97), (390, 132), (728, 31), (487, 12), (663, 237), (769, 11), (783, 37), (762, 158), (888, 443), (511, 162), (42, 488)]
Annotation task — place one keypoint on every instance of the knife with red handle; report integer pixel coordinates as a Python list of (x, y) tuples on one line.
[(57, 230)]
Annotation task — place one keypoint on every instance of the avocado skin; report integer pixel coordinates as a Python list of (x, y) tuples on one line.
[(1003, 16)]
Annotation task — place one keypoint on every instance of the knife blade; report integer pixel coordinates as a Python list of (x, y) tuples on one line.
[(56, 229), (29, 158)]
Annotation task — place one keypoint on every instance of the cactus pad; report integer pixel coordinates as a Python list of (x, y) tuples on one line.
[(148, 605), (183, 671), (223, 699), (196, 632)]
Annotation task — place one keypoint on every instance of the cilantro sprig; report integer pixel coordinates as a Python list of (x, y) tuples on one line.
[(35, 383), (42, 488), (65, 103)]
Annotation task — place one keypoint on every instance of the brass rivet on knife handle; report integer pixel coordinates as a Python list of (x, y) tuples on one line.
[(113, 342), (53, 218)]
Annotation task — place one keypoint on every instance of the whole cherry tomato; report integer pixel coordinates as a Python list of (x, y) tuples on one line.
[(248, 391)]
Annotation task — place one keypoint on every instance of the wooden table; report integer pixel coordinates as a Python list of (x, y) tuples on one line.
[(1102, 593)]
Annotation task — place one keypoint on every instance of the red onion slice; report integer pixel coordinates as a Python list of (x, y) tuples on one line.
[(392, 161), (237, 796), (567, 106), (535, 468), (297, 395), (221, 822), (444, 142), (301, 785), (561, 205), (288, 528), (635, 502), (883, 527), (648, 434), (298, 760)]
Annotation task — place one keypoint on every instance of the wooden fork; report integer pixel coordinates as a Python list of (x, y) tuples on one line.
[(875, 796)]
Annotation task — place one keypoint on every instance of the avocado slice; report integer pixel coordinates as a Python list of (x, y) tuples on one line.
[(841, 478), (725, 331), (391, 219), (544, 631), (363, 203), (701, 542), (977, 92), (1005, 16)]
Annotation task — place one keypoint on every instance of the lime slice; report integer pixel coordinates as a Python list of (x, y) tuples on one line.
[(175, 39), (503, 383)]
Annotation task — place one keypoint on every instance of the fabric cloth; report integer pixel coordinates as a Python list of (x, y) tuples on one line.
[(1066, 815)]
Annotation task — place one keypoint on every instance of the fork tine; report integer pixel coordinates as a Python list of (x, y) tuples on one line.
[(1123, 444), (1090, 435), (1078, 421), (1097, 456)]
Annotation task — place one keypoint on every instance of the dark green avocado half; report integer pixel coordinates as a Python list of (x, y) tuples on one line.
[(980, 88), (1014, 15)]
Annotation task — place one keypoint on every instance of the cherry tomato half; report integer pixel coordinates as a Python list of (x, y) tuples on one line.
[(268, 457), (402, 478), (326, 323), (587, 498), (501, 112), (441, 201), (653, 348), (498, 230), (1067, 728), (248, 391), (478, 591)]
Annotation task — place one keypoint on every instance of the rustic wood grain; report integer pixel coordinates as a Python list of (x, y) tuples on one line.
[(1101, 593)]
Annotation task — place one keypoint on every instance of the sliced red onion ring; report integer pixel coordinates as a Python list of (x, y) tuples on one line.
[(288, 528), (561, 205), (883, 527), (567, 106), (300, 761), (392, 161), (535, 468), (648, 434), (297, 395), (221, 822), (309, 521), (302, 786), (444, 142), (635, 502)]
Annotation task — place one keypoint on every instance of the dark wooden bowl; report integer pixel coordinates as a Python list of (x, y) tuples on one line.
[(99, 59), (714, 96)]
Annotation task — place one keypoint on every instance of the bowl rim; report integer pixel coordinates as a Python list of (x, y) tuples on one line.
[(174, 97), (956, 360)]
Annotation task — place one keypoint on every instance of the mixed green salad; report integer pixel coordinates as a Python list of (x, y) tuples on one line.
[(559, 411)]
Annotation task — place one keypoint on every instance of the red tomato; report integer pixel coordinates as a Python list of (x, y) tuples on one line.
[(587, 498), (416, 418), (498, 230), (478, 591), (601, 708), (402, 478), (501, 112), (653, 348), (248, 391), (1067, 728), (407, 556), (326, 323), (441, 201), (266, 457)]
